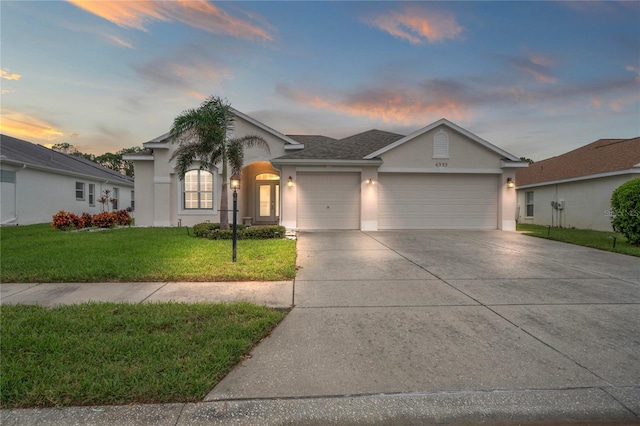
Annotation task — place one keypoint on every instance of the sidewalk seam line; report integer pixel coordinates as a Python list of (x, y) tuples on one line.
[(154, 292)]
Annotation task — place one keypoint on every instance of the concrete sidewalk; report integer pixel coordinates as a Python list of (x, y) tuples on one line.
[(276, 294), (416, 327)]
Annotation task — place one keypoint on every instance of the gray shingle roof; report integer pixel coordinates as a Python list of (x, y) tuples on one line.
[(350, 148), (20, 151), (311, 141)]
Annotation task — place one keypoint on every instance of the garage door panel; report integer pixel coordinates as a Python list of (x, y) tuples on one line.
[(423, 201), (328, 200)]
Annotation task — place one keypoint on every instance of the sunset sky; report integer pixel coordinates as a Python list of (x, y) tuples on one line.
[(534, 78)]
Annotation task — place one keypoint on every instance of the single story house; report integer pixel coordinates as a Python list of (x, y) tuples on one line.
[(439, 177), (573, 190), (37, 182)]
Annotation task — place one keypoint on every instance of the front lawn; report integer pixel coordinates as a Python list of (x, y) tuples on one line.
[(116, 353), (596, 239), (39, 253)]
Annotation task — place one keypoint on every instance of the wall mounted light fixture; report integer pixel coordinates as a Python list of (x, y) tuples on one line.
[(290, 182), (510, 183), (371, 181)]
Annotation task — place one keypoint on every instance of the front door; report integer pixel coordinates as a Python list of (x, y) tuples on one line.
[(267, 198)]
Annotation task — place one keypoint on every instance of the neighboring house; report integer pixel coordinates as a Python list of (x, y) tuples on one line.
[(37, 182), (439, 177), (573, 190)]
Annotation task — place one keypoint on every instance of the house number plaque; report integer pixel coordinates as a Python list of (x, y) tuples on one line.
[(442, 164)]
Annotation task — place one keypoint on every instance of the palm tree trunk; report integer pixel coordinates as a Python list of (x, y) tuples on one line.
[(224, 198)]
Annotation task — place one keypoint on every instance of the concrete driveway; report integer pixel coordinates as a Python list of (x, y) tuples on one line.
[(448, 326)]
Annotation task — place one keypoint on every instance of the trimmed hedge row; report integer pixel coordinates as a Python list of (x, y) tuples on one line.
[(212, 231)]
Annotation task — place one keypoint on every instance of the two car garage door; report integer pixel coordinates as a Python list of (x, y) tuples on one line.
[(405, 201)]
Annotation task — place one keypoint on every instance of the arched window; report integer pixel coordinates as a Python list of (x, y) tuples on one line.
[(440, 145), (267, 176), (198, 190)]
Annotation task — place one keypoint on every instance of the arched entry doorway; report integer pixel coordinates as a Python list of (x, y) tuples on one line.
[(267, 193)]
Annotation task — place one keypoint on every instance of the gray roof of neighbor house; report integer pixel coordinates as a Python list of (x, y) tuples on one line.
[(20, 152), (350, 148), (600, 157)]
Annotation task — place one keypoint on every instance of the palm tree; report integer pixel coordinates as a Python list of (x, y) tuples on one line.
[(203, 135)]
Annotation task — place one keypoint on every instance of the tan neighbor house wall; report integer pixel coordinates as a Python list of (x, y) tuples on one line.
[(587, 203)]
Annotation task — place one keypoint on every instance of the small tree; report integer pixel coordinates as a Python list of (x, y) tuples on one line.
[(625, 206), (106, 200)]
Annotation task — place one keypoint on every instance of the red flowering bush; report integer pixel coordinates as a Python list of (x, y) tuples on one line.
[(67, 220), (105, 219), (88, 220), (61, 221), (76, 221), (123, 218)]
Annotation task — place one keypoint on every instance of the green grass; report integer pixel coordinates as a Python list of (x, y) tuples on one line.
[(596, 239), (112, 354), (39, 253)]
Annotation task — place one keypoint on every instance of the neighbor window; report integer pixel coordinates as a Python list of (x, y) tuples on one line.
[(7, 176), (79, 190), (529, 202), (198, 190), (92, 194), (133, 200), (114, 199)]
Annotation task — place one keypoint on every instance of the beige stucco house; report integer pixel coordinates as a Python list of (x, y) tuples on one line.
[(439, 177), (574, 189), (36, 182)]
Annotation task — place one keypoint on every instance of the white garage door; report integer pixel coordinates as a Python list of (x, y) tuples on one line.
[(442, 201), (328, 200)]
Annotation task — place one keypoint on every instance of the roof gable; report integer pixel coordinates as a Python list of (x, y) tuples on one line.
[(164, 139), (601, 156), (449, 124), (19, 151)]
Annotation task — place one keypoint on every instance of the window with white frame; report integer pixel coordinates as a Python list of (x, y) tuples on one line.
[(133, 200), (92, 194), (80, 191), (198, 190), (528, 197)]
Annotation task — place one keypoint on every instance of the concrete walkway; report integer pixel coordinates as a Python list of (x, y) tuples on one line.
[(416, 327)]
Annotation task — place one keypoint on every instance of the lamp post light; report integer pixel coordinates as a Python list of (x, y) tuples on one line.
[(234, 183)]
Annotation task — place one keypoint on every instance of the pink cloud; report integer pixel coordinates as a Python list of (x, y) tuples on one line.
[(538, 66), (196, 13), (21, 125), (4, 73), (407, 107), (417, 25), (117, 40)]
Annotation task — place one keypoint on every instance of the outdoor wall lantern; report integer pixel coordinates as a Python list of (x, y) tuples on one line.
[(371, 181), (510, 183), (234, 183), (290, 182)]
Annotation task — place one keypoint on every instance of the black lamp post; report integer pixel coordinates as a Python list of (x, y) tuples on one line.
[(234, 183)]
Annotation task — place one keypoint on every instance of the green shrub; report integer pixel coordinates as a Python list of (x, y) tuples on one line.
[(625, 210), (212, 231)]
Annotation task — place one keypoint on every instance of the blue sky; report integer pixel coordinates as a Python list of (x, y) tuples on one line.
[(534, 78)]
